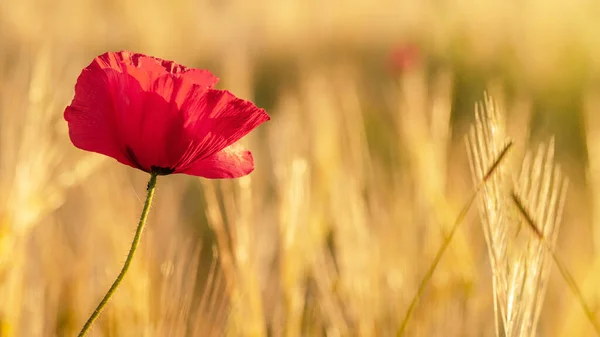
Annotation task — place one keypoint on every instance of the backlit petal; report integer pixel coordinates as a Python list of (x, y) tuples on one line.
[(232, 162), (152, 123), (147, 68), (91, 115), (216, 120)]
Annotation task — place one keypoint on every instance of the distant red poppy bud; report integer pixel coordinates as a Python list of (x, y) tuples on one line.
[(157, 115), (405, 57)]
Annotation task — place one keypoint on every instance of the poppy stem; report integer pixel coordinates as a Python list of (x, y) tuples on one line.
[(134, 245)]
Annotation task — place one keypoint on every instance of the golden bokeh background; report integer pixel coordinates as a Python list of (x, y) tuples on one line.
[(358, 174)]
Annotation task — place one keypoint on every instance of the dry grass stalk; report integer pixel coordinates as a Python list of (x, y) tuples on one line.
[(520, 264), (539, 227), (487, 174)]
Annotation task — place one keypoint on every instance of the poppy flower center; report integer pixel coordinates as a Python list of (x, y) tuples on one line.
[(161, 171)]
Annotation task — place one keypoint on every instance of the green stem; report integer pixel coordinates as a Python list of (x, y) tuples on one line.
[(134, 245)]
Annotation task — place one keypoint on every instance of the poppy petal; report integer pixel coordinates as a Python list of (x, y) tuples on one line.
[(91, 116), (147, 69), (216, 120), (177, 89), (233, 161), (200, 77), (150, 124)]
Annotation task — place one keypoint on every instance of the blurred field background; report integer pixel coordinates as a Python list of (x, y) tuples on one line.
[(360, 171)]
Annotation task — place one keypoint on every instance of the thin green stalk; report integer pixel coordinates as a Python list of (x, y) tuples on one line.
[(134, 245), (459, 219)]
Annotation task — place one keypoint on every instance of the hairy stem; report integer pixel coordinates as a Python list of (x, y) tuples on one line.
[(134, 245)]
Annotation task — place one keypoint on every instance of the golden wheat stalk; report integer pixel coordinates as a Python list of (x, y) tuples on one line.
[(519, 262), (485, 136), (548, 242), (494, 157)]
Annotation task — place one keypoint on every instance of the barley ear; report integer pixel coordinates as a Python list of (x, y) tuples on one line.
[(549, 244), (493, 159)]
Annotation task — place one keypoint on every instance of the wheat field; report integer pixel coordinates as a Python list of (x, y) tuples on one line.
[(360, 179)]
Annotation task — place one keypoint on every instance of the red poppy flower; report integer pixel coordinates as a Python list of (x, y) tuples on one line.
[(159, 116), (405, 57)]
